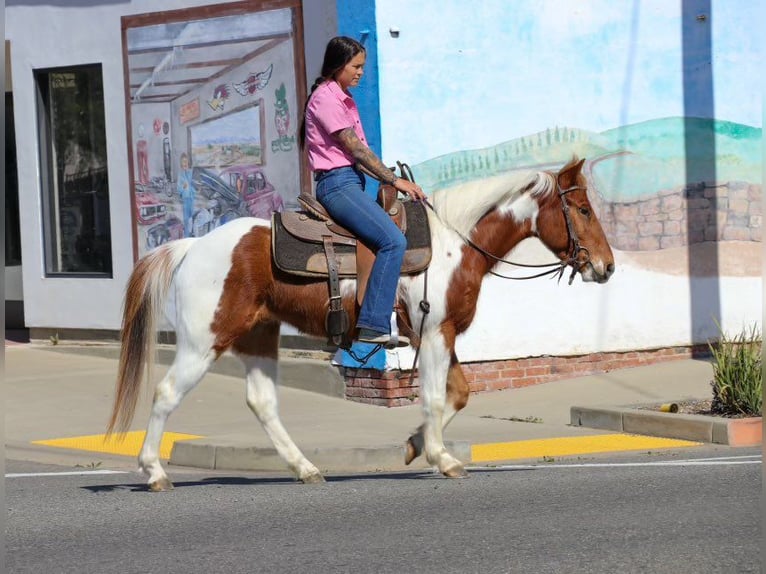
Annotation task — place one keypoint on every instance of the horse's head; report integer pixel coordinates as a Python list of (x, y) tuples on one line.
[(568, 226)]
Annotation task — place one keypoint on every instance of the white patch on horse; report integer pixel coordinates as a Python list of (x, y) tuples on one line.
[(348, 288), (200, 280), (446, 257), (524, 208)]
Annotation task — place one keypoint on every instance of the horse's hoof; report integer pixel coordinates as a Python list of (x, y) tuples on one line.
[(161, 485), (456, 472), (411, 452), (313, 479)]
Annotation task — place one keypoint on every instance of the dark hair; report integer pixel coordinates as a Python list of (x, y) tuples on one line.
[(339, 52)]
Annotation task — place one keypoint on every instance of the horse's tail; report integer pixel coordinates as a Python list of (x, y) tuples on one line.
[(144, 302)]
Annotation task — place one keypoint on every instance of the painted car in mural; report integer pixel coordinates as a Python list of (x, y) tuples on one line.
[(163, 232), (149, 208), (259, 196), (222, 203)]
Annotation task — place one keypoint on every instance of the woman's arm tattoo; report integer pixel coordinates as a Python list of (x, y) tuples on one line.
[(364, 155)]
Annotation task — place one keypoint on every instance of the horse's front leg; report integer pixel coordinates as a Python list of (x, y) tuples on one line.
[(457, 399), (436, 355)]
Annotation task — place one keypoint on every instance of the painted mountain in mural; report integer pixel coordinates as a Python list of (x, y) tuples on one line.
[(670, 152), (549, 148), (629, 162)]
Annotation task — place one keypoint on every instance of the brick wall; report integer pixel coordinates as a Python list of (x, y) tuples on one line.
[(683, 216), (396, 388)]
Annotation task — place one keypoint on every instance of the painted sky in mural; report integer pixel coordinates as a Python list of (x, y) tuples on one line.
[(594, 65)]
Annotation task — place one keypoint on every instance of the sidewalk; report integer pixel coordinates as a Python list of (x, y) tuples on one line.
[(60, 393)]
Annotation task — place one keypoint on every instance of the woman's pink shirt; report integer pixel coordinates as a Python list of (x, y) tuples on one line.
[(330, 110)]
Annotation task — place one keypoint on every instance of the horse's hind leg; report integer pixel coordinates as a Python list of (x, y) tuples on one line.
[(457, 398), (259, 351), (187, 370)]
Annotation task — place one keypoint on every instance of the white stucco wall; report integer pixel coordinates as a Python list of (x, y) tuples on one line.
[(462, 76)]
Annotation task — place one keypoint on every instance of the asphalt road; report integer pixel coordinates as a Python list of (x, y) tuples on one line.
[(618, 513)]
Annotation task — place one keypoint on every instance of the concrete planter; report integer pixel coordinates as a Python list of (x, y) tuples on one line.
[(701, 428)]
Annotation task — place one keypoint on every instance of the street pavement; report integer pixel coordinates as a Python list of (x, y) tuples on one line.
[(58, 400)]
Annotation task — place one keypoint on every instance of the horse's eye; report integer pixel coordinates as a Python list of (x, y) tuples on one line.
[(584, 211)]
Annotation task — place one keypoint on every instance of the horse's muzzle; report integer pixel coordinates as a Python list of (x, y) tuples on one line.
[(598, 272)]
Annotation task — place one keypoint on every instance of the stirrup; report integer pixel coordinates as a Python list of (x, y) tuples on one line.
[(386, 341)]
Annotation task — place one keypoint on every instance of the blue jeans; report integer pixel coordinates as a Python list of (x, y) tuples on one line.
[(341, 193)]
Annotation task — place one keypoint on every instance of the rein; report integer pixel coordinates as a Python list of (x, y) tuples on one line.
[(556, 268)]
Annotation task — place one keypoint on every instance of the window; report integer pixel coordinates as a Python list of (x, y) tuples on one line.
[(75, 189), (12, 234), (256, 182)]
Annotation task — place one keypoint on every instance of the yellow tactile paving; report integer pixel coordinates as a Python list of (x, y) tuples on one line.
[(570, 446), (128, 444)]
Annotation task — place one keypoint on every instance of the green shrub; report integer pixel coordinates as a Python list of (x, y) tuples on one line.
[(737, 375)]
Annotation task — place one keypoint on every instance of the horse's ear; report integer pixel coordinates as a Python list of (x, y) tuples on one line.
[(568, 174)]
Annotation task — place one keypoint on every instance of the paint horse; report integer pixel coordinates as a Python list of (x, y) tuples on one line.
[(229, 296)]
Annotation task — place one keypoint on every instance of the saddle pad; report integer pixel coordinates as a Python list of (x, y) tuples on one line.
[(293, 255)]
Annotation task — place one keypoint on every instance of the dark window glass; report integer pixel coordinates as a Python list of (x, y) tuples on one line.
[(12, 235), (73, 166)]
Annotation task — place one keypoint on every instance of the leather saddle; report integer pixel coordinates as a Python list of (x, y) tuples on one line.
[(309, 243)]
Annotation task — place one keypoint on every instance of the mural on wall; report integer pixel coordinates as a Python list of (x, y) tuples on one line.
[(285, 142), (189, 111), (673, 158), (254, 82), (198, 167), (233, 138), (220, 95), (649, 196)]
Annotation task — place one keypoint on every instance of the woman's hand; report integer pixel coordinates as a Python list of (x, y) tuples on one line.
[(411, 188), (365, 157)]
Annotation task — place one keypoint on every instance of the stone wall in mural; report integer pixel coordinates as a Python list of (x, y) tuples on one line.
[(649, 194)]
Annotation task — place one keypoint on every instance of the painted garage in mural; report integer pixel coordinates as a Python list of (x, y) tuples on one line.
[(213, 121)]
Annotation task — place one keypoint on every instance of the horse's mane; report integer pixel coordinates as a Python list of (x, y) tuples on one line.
[(463, 205)]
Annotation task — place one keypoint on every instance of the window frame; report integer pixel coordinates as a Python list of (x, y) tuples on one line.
[(49, 194)]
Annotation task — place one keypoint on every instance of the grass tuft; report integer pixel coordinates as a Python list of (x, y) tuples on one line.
[(737, 373)]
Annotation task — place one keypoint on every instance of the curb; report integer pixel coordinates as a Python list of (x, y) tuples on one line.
[(198, 454), (700, 428)]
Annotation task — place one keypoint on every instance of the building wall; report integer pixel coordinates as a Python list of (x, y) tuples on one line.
[(665, 106), (461, 81), (86, 33)]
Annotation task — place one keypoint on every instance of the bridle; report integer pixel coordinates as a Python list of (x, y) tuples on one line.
[(554, 269)]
